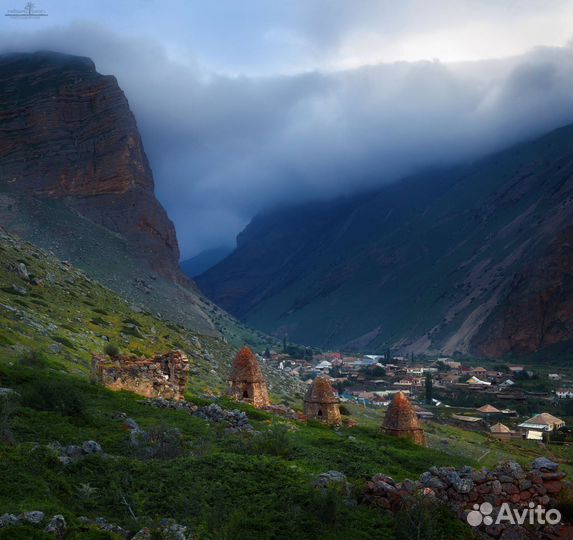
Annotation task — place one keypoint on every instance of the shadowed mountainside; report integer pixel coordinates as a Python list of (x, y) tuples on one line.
[(475, 259)]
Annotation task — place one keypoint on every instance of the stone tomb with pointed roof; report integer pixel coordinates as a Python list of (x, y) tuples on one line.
[(401, 420), (246, 381), (321, 403)]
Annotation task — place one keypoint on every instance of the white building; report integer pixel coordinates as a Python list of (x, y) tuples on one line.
[(534, 427)]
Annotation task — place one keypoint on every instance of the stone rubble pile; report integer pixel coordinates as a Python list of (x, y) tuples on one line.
[(237, 421), (167, 529), (55, 525), (73, 452)]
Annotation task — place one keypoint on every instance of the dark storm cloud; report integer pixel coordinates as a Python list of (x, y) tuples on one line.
[(222, 148)]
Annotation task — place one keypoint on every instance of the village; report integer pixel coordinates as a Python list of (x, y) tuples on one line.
[(506, 400)]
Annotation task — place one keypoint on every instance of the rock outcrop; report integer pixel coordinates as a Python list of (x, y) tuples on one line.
[(68, 134)]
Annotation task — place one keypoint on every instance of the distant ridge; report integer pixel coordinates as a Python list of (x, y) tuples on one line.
[(475, 259)]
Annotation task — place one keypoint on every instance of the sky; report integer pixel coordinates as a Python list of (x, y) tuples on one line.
[(243, 104)]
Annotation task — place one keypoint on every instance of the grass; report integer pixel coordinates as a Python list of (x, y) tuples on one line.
[(223, 485)]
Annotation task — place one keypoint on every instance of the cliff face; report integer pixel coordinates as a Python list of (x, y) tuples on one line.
[(67, 133), (472, 260)]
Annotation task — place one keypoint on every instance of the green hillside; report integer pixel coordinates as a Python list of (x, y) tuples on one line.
[(219, 483)]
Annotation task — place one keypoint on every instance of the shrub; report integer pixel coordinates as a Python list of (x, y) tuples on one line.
[(565, 504), (345, 410), (276, 441), (60, 396), (427, 519), (325, 506), (159, 442), (8, 407), (33, 359), (111, 350)]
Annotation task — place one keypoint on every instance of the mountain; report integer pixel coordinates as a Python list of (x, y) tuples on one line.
[(68, 134), (203, 261), (476, 259), (74, 178)]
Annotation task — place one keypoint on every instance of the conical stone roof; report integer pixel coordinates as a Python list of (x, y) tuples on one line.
[(246, 367), (320, 391), (401, 419)]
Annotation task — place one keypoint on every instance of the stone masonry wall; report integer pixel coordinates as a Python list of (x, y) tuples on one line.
[(165, 375), (465, 488)]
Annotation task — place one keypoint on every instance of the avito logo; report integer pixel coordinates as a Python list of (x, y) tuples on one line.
[(532, 515)]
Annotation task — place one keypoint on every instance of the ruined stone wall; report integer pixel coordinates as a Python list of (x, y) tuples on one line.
[(164, 375), (324, 412), (465, 488)]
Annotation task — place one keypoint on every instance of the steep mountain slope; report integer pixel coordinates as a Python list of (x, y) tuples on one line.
[(74, 178), (68, 134), (476, 259), (50, 306)]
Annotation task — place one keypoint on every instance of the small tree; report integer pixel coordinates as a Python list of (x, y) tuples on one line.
[(111, 350), (428, 387)]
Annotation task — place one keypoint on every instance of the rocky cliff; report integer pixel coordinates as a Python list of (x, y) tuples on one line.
[(67, 133), (473, 260)]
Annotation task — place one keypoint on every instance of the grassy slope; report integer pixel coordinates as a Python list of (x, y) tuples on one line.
[(224, 486), (107, 258), (71, 316)]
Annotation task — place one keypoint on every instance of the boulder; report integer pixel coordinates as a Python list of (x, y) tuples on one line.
[(91, 447), (545, 464), (57, 525), (34, 517)]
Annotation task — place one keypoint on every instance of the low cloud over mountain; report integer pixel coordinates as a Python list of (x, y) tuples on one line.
[(224, 147)]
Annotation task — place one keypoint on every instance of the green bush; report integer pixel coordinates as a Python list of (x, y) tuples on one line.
[(33, 359), (25, 532), (159, 442), (111, 350), (8, 407), (426, 519), (53, 395), (276, 441)]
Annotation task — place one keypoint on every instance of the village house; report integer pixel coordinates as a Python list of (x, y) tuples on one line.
[(488, 410), (479, 372), (554, 377), (564, 393), (534, 427), (501, 432), (473, 380)]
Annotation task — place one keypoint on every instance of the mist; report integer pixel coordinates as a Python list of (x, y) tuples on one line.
[(224, 147)]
